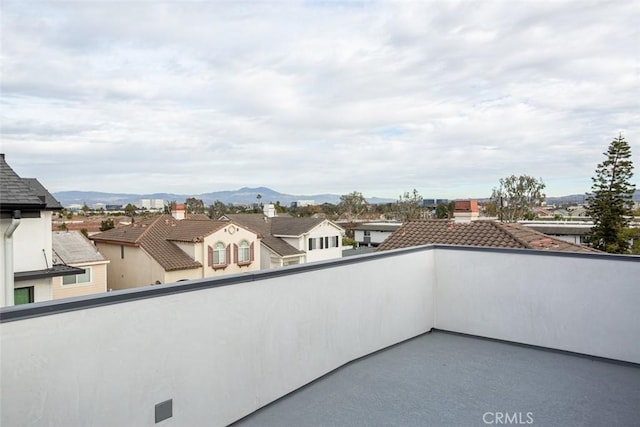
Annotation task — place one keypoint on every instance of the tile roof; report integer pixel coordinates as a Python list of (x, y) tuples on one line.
[(272, 228), (194, 230), (15, 192), (151, 235), (475, 233), (71, 247)]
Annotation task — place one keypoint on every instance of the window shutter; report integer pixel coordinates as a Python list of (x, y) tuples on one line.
[(310, 244), (235, 252), (251, 252), (210, 253), (227, 259)]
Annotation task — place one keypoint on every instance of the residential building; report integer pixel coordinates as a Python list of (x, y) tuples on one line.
[(374, 233), (163, 249), (26, 258), (570, 231), (74, 249), (288, 241), (477, 233)]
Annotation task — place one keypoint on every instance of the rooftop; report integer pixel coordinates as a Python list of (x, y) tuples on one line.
[(446, 379), (476, 233), (550, 333), (71, 247)]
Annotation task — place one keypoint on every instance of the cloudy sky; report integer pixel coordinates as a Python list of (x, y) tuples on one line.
[(317, 96)]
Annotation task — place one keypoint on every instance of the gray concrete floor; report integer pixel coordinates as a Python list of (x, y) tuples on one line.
[(447, 379)]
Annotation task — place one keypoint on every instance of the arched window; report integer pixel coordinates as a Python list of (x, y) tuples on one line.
[(219, 254), (244, 253)]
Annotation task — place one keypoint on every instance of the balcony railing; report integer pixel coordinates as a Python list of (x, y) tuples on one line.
[(220, 349)]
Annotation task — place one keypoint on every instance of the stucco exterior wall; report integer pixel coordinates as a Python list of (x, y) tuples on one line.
[(30, 238), (224, 236), (41, 288), (98, 283), (220, 353), (136, 269), (322, 230)]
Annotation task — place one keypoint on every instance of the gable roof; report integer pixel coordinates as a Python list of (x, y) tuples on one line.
[(293, 226), (15, 192), (194, 230), (151, 235), (71, 247), (475, 233)]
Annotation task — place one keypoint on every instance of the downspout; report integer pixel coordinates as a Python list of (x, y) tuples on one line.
[(8, 260)]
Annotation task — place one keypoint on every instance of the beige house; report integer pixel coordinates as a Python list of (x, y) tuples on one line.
[(164, 249), (73, 249), (289, 241)]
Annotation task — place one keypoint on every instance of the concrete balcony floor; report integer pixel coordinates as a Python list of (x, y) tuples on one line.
[(442, 378)]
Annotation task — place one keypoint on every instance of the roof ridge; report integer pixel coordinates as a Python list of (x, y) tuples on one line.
[(149, 226), (502, 227)]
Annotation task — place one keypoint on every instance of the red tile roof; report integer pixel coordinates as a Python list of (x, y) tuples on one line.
[(475, 233)]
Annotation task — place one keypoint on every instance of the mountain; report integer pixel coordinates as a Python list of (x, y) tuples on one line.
[(243, 195)]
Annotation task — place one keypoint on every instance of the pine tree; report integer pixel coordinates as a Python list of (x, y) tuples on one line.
[(611, 201)]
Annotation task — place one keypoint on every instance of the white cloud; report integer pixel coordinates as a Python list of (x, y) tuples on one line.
[(191, 97)]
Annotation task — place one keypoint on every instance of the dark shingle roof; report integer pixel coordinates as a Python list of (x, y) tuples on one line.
[(476, 233), (293, 226), (15, 192), (39, 190), (279, 246)]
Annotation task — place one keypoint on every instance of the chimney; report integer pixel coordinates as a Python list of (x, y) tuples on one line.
[(466, 211), (269, 210), (178, 212)]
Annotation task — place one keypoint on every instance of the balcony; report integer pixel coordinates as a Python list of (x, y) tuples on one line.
[(221, 349)]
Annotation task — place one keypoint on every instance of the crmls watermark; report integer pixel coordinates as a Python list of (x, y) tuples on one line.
[(512, 418)]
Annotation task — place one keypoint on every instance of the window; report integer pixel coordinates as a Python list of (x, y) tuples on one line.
[(219, 255), (121, 252), (78, 279), (23, 295), (243, 252)]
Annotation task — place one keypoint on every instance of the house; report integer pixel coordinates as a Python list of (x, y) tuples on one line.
[(476, 233), (288, 241), (569, 231), (73, 249), (374, 233), (163, 249), (26, 209)]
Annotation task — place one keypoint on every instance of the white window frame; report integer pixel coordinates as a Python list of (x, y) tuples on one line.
[(244, 252), (219, 254)]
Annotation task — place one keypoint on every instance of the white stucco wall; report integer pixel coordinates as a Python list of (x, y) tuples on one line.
[(377, 237), (42, 290), (219, 353), (322, 230), (572, 303), (30, 238)]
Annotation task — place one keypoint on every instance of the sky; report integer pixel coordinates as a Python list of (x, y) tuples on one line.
[(316, 97)]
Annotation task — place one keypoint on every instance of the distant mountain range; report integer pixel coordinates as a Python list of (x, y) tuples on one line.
[(243, 195)]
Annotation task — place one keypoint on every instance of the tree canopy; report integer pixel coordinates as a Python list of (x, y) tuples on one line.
[(409, 205), (515, 197), (611, 201), (353, 205)]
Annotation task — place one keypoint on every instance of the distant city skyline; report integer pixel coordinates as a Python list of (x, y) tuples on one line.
[(316, 97)]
